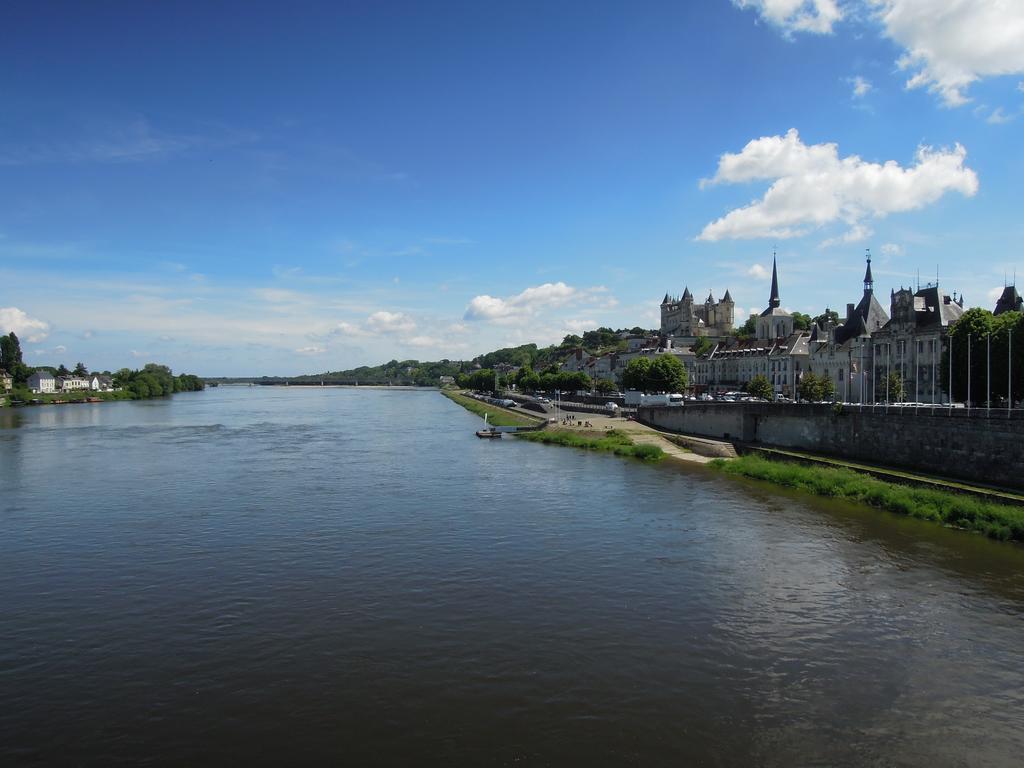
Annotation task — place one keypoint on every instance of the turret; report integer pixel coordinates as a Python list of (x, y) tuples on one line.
[(869, 283)]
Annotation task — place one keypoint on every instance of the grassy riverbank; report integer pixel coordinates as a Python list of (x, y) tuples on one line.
[(997, 521), (614, 441), (498, 417)]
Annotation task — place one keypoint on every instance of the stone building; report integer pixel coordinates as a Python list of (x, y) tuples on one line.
[(777, 352), (685, 321), (843, 352), (912, 342)]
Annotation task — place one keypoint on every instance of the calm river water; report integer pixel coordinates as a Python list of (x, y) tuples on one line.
[(340, 576)]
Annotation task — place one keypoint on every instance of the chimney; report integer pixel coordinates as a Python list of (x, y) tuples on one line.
[(849, 312)]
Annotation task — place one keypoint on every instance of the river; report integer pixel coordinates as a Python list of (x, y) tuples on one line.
[(349, 576)]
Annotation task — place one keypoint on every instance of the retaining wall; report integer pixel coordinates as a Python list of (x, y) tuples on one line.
[(955, 444)]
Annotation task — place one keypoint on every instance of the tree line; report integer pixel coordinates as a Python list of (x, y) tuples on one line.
[(152, 380)]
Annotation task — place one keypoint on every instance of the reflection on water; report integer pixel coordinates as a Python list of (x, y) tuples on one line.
[(254, 575)]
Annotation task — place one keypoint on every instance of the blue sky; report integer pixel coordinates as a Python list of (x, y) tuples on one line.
[(236, 189)]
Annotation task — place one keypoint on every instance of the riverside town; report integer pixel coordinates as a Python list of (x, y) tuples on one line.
[(464, 384)]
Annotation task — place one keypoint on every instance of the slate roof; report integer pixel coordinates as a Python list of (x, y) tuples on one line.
[(1010, 301)]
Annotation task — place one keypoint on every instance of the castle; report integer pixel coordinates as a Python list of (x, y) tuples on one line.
[(684, 320)]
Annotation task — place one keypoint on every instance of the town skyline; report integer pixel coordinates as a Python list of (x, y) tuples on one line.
[(241, 192)]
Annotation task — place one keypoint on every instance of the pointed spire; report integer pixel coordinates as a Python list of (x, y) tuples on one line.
[(727, 297), (665, 300), (773, 300), (687, 294), (869, 282), (710, 299)]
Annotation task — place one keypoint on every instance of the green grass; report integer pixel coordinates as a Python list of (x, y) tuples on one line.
[(78, 396), (497, 417), (998, 521), (614, 441)]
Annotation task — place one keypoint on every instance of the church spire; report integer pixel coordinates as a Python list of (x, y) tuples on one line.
[(869, 283), (773, 300)]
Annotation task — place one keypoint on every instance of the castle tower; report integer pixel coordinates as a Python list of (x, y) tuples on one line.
[(727, 315)]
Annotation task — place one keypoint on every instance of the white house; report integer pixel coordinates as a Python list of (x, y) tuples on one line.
[(42, 382), (72, 383), (101, 383)]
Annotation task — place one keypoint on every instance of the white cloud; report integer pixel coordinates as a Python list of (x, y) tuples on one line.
[(861, 87), (759, 272), (14, 319), (814, 186), (390, 322), (817, 16), (424, 341), (347, 329), (60, 349), (313, 350), (529, 302), (951, 44), (994, 294), (891, 249), (998, 117), (855, 234)]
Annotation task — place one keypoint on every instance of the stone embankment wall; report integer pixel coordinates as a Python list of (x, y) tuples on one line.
[(954, 444)]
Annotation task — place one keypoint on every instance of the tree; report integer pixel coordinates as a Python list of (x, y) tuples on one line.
[(604, 386), (572, 340), (801, 322), (759, 386), (62, 370), (527, 379), (81, 370), (827, 316), (703, 346), (748, 330), (826, 388), (10, 358), (1007, 336), (808, 386), (894, 388), (667, 374), (814, 388), (635, 374)]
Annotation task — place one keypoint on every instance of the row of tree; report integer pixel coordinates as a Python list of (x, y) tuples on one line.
[(155, 381), (979, 339)]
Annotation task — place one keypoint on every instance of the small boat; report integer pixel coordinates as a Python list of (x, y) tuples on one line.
[(488, 433)]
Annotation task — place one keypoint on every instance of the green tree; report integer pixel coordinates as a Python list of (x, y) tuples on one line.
[(572, 340), (10, 358), (971, 330), (748, 330), (894, 388), (829, 315), (826, 388), (604, 386), (667, 374), (814, 388), (703, 346), (81, 370), (801, 322), (527, 379), (759, 386), (808, 386), (62, 370), (634, 376), (1007, 339)]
